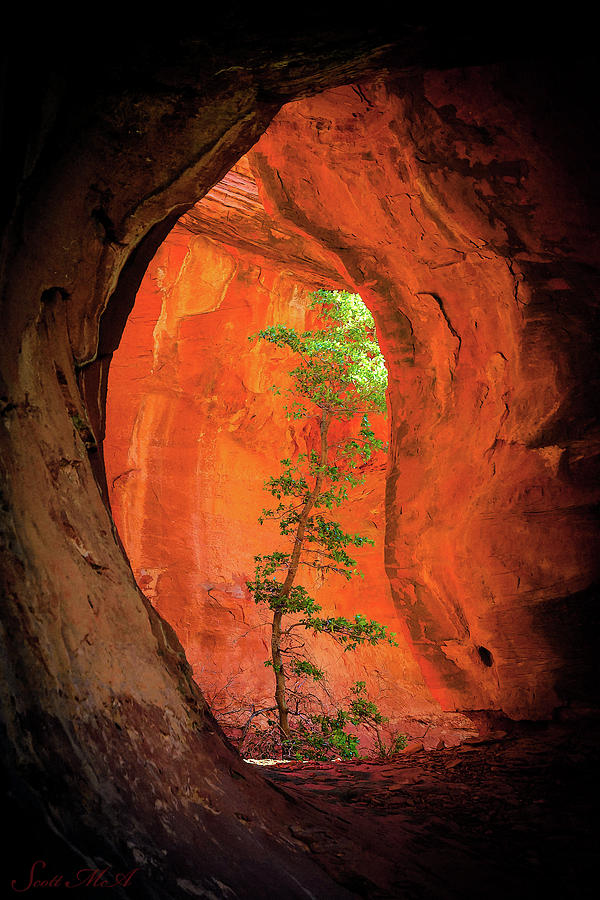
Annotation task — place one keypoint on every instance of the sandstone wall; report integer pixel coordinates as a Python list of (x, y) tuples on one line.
[(428, 196), (466, 235), (193, 433), (108, 750)]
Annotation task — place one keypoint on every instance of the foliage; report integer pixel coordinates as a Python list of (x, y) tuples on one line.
[(315, 736), (341, 369), (323, 737), (396, 745), (327, 735), (365, 712), (340, 376)]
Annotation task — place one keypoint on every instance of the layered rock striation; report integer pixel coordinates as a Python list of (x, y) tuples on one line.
[(466, 235), (428, 196), (194, 430)]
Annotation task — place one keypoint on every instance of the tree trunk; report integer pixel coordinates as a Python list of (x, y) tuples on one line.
[(280, 686), (280, 695)]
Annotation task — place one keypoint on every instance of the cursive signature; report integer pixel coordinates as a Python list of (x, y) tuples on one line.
[(90, 878)]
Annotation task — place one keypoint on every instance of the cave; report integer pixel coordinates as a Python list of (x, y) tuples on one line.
[(448, 176)]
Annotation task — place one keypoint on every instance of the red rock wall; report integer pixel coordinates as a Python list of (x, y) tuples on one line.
[(193, 432), (429, 197), (108, 750), (434, 195)]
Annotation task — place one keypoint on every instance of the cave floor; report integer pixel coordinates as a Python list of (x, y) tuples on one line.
[(512, 815)]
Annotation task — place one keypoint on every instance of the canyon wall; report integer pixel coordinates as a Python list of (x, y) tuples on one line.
[(194, 431), (440, 217), (466, 235)]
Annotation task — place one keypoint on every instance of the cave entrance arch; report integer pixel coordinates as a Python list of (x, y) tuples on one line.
[(417, 234), (194, 431), (414, 234)]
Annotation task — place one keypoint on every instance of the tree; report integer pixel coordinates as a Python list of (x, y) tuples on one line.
[(340, 377)]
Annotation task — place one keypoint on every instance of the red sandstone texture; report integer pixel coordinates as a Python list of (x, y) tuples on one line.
[(439, 212), (108, 749), (486, 522), (193, 432)]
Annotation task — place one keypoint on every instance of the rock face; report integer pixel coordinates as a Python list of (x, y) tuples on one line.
[(194, 431), (438, 209), (490, 533), (108, 750)]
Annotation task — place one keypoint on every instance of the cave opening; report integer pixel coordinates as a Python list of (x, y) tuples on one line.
[(196, 426), (486, 656), (469, 386)]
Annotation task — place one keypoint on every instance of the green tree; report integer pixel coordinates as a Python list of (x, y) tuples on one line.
[(340, 377)]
